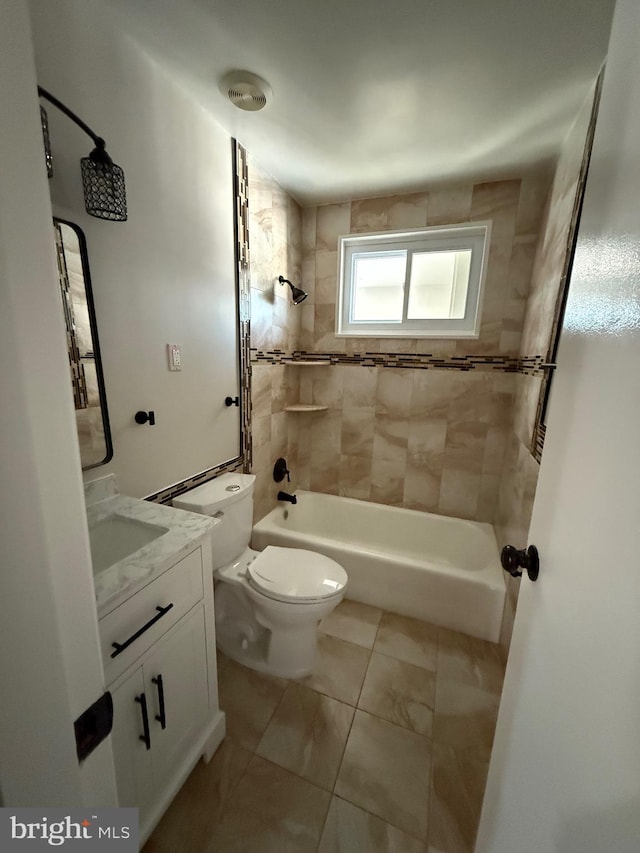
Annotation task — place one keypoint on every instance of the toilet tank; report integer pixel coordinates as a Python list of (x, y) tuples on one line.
[(229, 498)]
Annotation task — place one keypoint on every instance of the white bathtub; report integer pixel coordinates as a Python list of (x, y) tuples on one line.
[(442, 570)]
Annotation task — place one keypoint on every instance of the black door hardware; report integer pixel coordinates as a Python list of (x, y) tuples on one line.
[(120, 647), (161, 717), (146, 737), (512, 560), (280, 471), (232, 401), (145, 417)]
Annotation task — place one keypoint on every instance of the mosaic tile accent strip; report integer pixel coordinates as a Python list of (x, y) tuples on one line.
[(529, 365), (166, 495)]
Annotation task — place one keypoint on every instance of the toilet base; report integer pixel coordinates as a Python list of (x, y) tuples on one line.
[(282, 647)]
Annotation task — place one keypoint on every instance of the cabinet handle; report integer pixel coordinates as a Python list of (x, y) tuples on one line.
[(161, 717), (146, 737), (120, 647)]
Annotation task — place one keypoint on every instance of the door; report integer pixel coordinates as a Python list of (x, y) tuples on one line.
[(565, 769)]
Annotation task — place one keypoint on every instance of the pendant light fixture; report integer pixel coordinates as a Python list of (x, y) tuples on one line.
[(102, 180)]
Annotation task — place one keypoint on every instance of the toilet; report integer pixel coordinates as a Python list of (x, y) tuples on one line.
[(267, 604)]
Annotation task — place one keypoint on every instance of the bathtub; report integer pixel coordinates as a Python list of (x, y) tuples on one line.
[(442, 570)]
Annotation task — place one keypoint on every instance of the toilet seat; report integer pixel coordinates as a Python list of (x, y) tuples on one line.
[(296, 575)]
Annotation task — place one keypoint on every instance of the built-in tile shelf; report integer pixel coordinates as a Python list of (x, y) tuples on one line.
[(300, 407)]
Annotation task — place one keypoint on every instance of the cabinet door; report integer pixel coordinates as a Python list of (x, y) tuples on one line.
[(131, 757), (175, 677)]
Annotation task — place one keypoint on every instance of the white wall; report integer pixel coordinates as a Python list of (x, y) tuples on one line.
[(166, 275), (50, 664)]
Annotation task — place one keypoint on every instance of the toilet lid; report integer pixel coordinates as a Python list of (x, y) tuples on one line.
[(293, 574)]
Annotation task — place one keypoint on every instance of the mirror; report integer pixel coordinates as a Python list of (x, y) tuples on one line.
[(87, 382)]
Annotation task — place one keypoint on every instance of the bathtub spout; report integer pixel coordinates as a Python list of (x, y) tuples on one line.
[(283, 496)]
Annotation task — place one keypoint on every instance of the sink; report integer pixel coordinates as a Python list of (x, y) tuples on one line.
[(117, 536)]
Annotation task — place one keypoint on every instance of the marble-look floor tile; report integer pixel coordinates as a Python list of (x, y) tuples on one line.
[(408, 639), (354, 622), (458, 783), (272, 811), (198, 806), (469, 660), (386, 770), (339, 669), (351, 830), (465, 716), (307, 735), (248, 698), (399, 692)]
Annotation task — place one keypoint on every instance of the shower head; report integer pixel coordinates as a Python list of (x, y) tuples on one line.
[(297, 295)]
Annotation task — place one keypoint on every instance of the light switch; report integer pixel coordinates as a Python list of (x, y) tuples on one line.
[(174, 356)]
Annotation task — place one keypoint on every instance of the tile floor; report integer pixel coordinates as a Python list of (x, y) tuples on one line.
[(384, 749)]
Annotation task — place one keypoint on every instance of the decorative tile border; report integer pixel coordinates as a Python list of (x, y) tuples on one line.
[(166, 495), (529, 365)]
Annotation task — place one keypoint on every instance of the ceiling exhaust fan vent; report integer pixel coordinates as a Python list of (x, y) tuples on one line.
[(245, 90)]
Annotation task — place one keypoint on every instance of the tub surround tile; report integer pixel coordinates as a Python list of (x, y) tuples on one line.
[(400, 693), (407, 211), (459, 493), (332, 220), (353, 622), (340, 669), (369, 214), (249, 700), (387, 480), (386, 771), (449, 206), (307, 735), (357, 433), (408, 640), (359, 387), (349, 829), (272, 811), (355, 477)]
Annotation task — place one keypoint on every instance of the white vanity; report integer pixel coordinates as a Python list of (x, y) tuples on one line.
[(157, 634)]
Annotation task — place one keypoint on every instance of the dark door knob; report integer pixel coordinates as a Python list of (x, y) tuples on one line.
[(512, 560), (232, 401), (144, 417)]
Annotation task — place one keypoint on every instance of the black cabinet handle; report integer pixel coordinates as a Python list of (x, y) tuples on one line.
[(146, 737), (120, 647), (232, 401), (513, 560), (144, 417), (161, 717)]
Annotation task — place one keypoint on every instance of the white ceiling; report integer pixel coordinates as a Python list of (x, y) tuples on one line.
[(373, 97)]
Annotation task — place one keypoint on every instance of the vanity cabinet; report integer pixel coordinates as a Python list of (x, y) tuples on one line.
[(163, 684)]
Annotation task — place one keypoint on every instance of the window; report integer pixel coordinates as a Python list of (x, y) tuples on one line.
[(418, 284)]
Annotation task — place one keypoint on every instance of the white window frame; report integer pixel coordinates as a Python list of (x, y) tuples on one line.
[(474, 236)]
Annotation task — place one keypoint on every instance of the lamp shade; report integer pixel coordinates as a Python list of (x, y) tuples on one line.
[(103, 183)]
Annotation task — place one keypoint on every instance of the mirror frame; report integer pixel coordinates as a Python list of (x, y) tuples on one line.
[(84, 257)]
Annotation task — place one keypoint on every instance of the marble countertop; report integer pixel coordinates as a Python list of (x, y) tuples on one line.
[(121, 580)]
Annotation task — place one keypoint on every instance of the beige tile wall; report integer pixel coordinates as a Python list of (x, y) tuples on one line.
[(426, 439), (519, 476), (275, 249)]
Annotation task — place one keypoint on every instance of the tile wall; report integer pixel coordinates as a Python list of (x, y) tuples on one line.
[(427, 439), (275, 249), (519, 476)]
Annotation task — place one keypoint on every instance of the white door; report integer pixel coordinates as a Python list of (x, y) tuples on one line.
[(565, 770)]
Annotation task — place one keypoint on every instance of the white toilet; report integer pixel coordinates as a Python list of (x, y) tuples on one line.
[(267, 604)]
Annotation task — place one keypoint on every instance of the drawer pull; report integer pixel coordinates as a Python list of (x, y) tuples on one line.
[(161, 717), (146, 737), (120, 647)]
